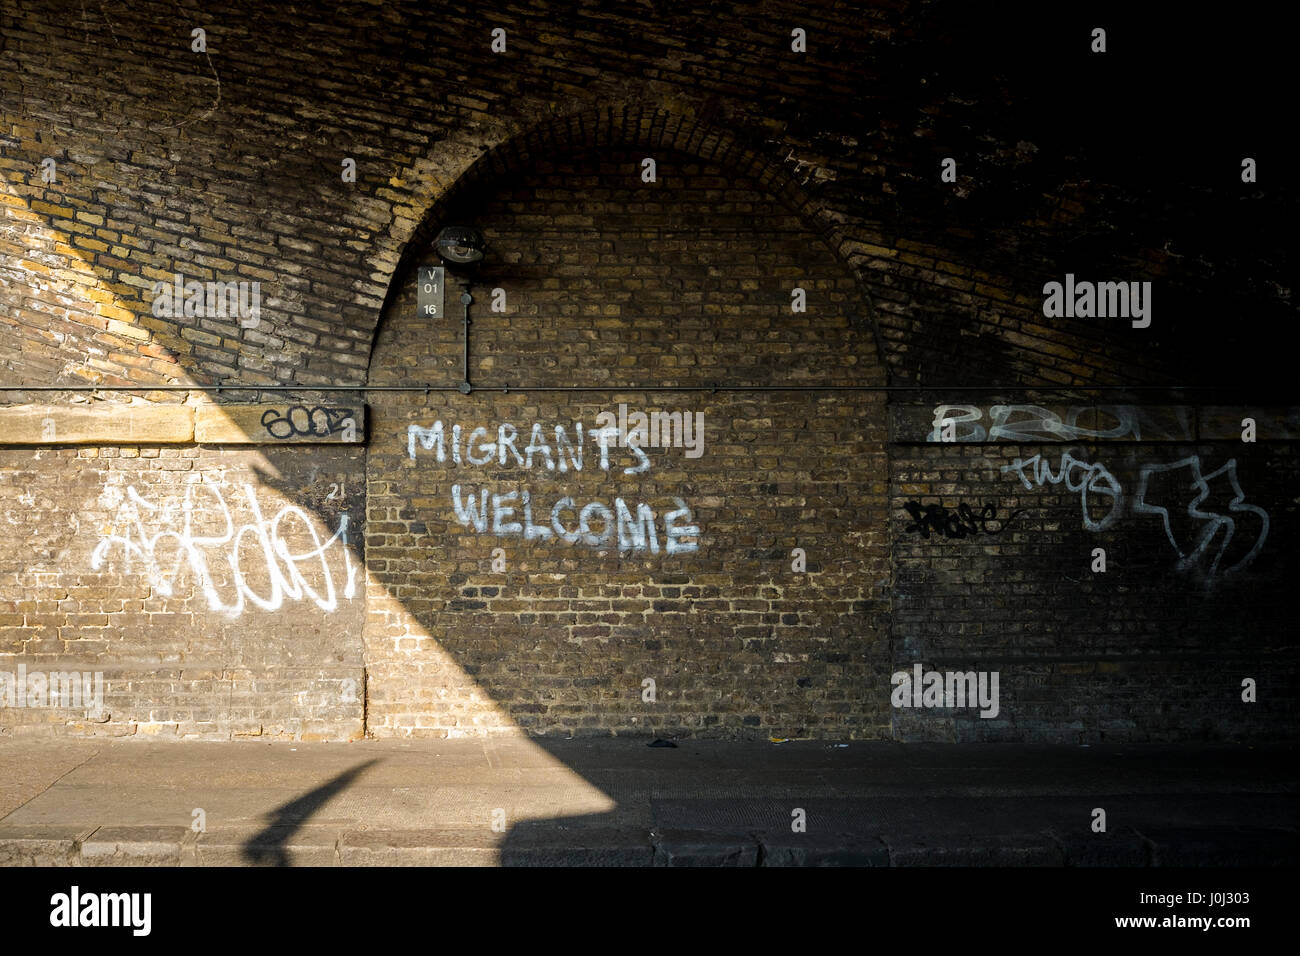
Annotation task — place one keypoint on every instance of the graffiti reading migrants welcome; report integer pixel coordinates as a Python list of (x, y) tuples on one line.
[(519, 513)]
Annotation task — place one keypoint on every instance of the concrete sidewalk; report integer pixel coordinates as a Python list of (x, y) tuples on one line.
[(616, 801)]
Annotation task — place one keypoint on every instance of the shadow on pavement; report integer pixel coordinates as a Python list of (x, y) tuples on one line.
[(266, 848)]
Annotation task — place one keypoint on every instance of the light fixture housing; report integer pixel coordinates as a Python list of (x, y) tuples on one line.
[(459, 245)]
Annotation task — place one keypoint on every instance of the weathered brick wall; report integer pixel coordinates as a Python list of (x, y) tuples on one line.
[(819, 168), (610, 281), (118, 560), (1153, 648), (227, 164)]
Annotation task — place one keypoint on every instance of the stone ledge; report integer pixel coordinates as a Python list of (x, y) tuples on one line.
[(997, 423), (45, 426), (282, 424)]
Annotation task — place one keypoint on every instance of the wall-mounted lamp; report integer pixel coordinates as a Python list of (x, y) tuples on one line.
[(459, 245), (461, 248)]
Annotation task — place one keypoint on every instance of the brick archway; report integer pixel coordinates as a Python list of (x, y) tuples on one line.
[(558, 625), (480, 157)]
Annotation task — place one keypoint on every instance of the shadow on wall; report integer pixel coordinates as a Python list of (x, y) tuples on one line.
[(545, 560), (690, 282)]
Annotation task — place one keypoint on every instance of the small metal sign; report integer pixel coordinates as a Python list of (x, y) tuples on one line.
[(430, 294)]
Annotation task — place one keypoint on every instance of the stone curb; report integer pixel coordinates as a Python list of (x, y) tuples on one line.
[(71, 846)]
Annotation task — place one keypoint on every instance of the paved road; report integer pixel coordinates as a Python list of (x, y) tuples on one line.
[(618, 801)]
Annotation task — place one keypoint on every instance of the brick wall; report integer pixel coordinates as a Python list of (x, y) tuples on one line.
[(774, 169), (118, 560), (608, 282), (1194, 524), (227, 164)]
